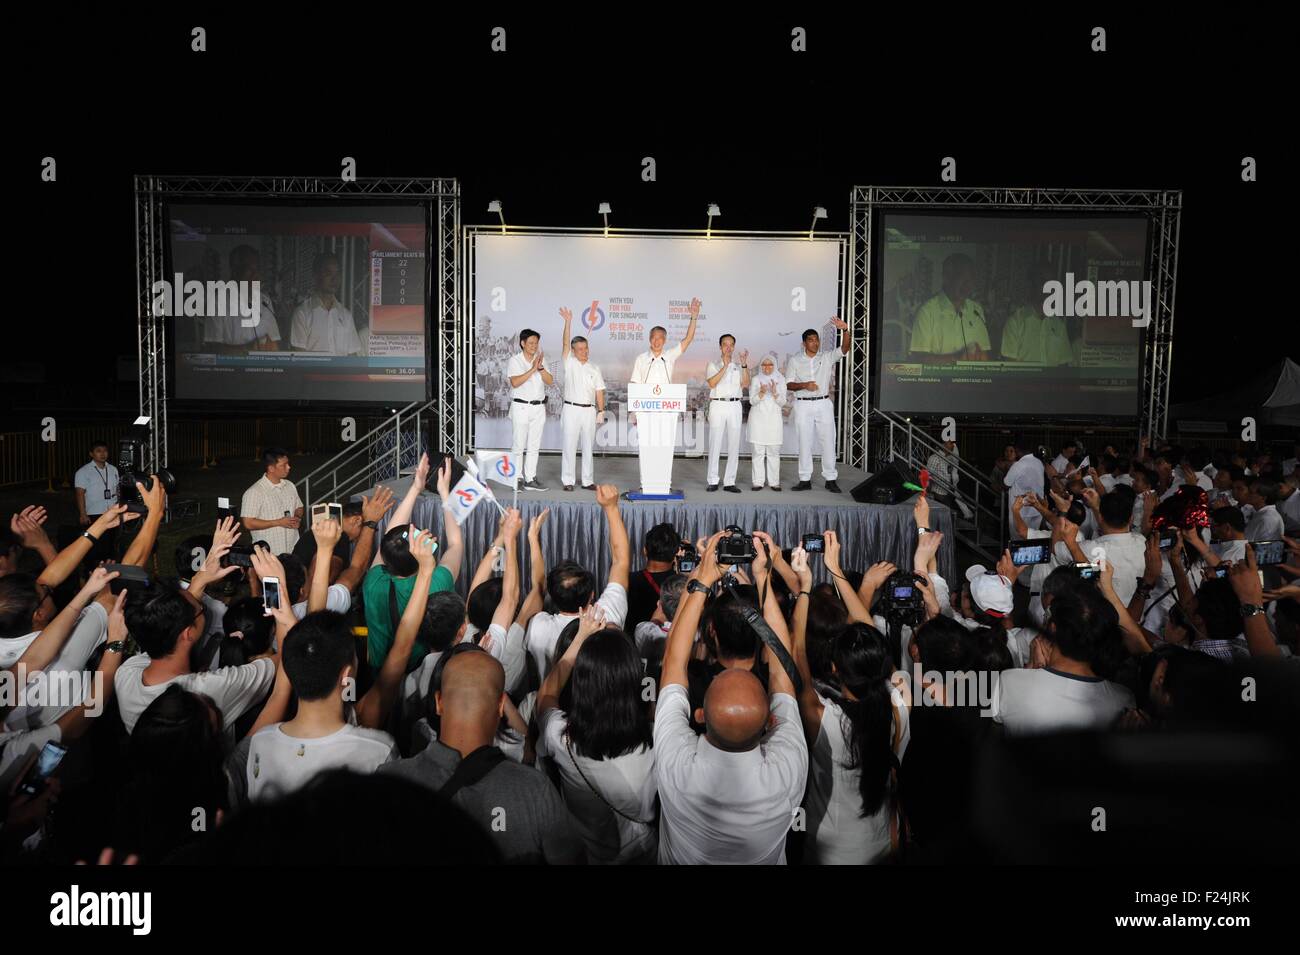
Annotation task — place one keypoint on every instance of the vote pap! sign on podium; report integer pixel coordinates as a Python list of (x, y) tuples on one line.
[(656, 408)]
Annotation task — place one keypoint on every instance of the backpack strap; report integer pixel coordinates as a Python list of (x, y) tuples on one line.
[(472, 769)]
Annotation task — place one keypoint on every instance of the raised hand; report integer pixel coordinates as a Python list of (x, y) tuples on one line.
[(879, 573), (1091, 498), (607, 495), (373, 508), (327, 532), (422, 473), (591, 620), (840, 323), (799, 564), (1244, 578), (566, 314), (444, 480), (708, 571), (832, 556), (762, 555), (26, 525), (536, 522), (926, 547), (1153, 565), (155, 498), (1007, 568), (117, 619), (921, 511), (422, 550), (744, 357), (117, 514), (511, 524), (695, 309), (99, 579), (266, 564)]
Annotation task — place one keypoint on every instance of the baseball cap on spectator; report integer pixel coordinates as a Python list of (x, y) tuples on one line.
[(989, 592)]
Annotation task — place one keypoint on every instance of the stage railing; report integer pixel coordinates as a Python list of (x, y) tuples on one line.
[(980, 518), (384, 453)]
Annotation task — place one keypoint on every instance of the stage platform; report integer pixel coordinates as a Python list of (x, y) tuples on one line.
[(576, 530)]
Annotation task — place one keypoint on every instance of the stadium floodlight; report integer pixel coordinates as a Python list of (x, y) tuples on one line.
[(495, 206), (819, 212), (713, 211)]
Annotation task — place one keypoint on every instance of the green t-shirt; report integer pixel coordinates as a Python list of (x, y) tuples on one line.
[(378, 616)]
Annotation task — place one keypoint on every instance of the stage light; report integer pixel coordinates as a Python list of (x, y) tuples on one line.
[(495, 206), (819, 212), (605, 210), (713, 211)]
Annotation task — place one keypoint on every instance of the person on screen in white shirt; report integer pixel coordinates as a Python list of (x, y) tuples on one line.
[(322, 323), (271, 510), (1083, 641), (1266, 524), (766, 426), (1025, 477), (572, 588), (655, 367), (808, 374), (950, 327), (726, 796), (96, 485), (528, 380), (229, 333), (584, 406), (727, 382), (320, 660), (1030, 335)]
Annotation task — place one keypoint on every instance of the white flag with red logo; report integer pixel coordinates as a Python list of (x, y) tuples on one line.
[(468, 494), (499, 466)]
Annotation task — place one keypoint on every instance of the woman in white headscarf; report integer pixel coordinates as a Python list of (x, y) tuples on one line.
[(766, 429)]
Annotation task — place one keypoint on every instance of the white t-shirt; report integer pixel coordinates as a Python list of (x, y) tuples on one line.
[(819, 368), (330, 331), (90, 630), (837, 832), (728, 385), (582, 380), (1266, 524), (279, 764), (235, 690), (1047, 701), (626, 782), (723, 807), (1127, 553), (18, 745), (534, 389), (651, 370), (338, 598), (545, 628), (100, 487)]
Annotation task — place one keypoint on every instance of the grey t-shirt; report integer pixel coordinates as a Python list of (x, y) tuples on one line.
[(514, 804)]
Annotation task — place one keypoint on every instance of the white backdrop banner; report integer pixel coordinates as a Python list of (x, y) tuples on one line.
[(765, 292)]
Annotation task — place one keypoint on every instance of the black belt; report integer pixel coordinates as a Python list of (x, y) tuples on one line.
[(520, 401), (724, 399), (577, 405), (818, 398)]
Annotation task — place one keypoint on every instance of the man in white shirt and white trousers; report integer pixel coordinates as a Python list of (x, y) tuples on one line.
[(584, 406), (528, 379), (808, 374), (655, 367), (727, 381)]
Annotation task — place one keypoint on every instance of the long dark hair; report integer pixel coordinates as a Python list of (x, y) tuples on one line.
[(608, 718), (863, 663)]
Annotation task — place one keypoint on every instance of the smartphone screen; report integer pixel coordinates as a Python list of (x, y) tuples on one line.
[(335, 512), (271, 593), (319, 511), (903, 593), (1029, 554), (51, 755), (1269, 552), (814, 543)]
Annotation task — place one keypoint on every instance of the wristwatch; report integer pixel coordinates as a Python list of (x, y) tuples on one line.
[(90, 537), (922, 531), (373, 525), (695, 587), (1250, 610), (115, 646)]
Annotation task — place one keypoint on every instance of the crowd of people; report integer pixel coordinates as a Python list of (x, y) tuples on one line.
[(331, 696)]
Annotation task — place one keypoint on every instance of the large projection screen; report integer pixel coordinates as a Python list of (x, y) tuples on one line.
[(763, 291), (1012, 351), (343, 302)]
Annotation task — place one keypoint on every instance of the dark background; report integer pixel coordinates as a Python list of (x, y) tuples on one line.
[(561, 121)]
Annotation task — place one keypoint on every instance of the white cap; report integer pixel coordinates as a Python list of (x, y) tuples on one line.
[(990, 592)]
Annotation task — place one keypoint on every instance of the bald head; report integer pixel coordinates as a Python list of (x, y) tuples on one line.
[(735, 710), (469, 700)]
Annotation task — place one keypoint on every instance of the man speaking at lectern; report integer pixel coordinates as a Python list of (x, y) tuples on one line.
[(655, 367)]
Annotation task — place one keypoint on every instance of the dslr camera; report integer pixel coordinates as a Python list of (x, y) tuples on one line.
[(130, 470), (901, 599), (687, 558), (736, 547)]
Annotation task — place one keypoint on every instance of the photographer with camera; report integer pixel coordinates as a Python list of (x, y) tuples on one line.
[(729, 795), (663, 544)]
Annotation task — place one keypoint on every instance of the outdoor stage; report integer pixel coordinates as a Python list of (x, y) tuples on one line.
[(575, 529)]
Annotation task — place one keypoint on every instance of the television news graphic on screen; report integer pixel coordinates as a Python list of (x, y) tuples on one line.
[(275, 302), (1011, 314), (765, 292)]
